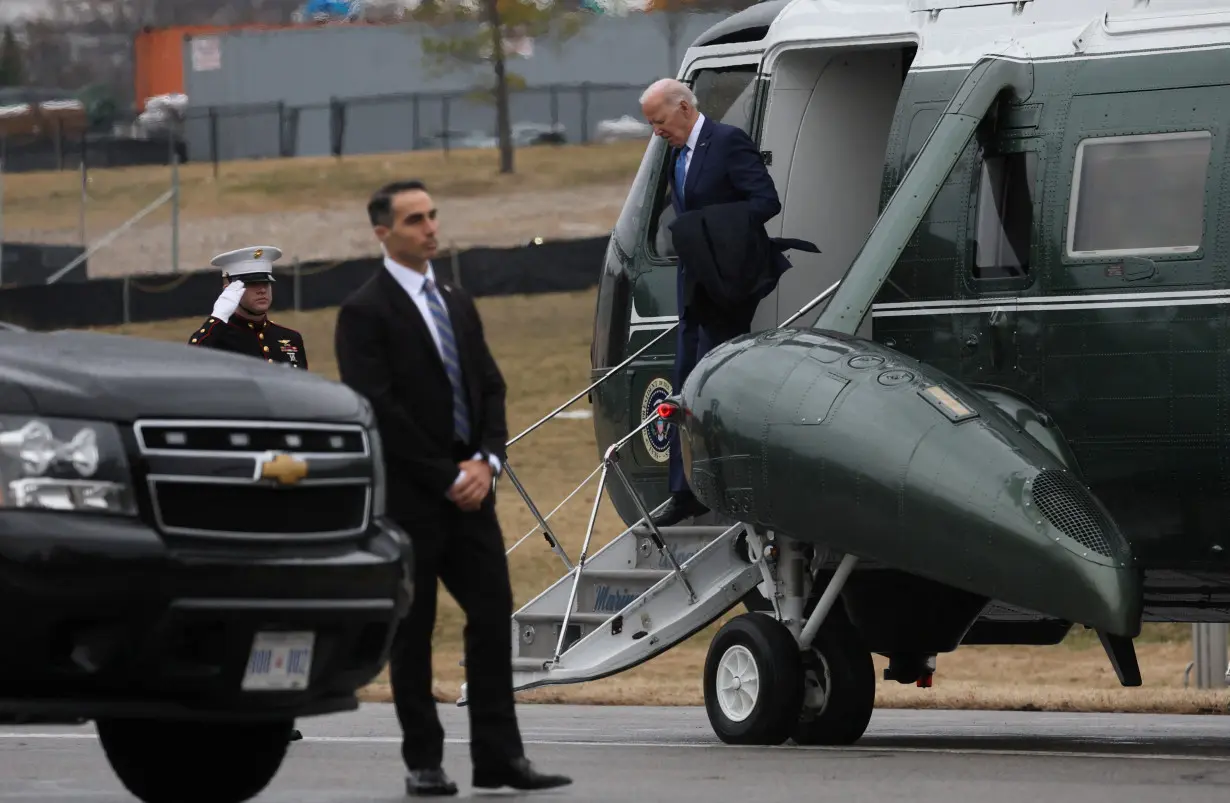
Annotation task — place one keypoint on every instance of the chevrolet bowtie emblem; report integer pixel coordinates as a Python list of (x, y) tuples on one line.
[(281, 467)]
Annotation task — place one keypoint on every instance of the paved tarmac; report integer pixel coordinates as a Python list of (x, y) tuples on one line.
[(640, 755)]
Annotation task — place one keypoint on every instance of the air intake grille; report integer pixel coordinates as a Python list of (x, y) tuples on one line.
[(1068, 507), (226, 509)]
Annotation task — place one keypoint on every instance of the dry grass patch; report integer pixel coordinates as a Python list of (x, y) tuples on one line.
[(52, 200), (1061, 678), (542, 345)]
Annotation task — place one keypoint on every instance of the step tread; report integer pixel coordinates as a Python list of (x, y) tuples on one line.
[(626, 574), (577, 617), (683, 530), (521, 664)]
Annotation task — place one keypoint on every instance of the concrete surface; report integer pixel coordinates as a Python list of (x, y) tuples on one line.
[(669, 754)]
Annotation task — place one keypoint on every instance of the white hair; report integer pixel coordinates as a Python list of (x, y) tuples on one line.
[(672, 90)]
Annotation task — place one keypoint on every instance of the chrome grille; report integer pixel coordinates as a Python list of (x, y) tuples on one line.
[(257, 480), (248, 437)]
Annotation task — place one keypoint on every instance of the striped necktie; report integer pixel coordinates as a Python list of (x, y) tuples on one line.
[(452, 362), (681, 166)]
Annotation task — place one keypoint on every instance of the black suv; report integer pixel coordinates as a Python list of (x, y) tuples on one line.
[(193, 553)]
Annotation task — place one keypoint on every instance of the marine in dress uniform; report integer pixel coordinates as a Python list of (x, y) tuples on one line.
[(239, 322)]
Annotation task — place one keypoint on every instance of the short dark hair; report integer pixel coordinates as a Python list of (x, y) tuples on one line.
[(380, 206)]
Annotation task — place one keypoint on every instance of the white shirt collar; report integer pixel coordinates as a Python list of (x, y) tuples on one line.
[(694, 136), (408, 278)]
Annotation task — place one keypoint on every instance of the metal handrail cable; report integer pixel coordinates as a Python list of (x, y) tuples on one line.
[(801, 312), (608, 457), (600, 380)]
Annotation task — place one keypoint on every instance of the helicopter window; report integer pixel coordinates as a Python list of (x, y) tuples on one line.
[(1005, 215), (1139, 194), (727, 95)]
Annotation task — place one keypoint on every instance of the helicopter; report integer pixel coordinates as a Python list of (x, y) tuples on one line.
[(1001, 413)]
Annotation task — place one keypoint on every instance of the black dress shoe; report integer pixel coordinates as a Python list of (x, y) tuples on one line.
[(680, 507), (429, 783), (295, 735), (520, 774)]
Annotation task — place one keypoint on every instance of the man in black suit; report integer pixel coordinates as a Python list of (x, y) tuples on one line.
[(414, 346), (711, 163)]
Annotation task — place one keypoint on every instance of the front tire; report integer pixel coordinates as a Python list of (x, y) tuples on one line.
[(840, 685), (753, 683), (194, 762)]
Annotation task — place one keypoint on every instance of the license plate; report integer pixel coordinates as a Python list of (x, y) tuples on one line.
[(279, 661)]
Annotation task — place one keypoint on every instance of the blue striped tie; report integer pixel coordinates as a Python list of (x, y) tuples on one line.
[(452, 362), (681, 164)]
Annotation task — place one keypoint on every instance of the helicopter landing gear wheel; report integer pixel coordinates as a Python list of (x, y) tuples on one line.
[(839, 682), (753, 683)]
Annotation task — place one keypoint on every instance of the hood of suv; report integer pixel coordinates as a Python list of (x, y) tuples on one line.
[(121, 378)]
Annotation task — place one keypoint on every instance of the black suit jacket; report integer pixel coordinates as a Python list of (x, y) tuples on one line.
[(731, 259), (726, 168), (386, 353)]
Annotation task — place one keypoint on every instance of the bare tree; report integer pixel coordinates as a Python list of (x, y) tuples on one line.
[(502, 122), (466, 36)]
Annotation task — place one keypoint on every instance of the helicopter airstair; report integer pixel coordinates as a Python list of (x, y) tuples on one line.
[(642, 593)]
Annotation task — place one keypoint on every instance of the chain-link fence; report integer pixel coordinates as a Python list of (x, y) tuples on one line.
[(568, 113), (76, 218), (56, 226)]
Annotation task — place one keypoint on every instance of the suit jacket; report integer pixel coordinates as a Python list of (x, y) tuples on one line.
[(726, 167), (730, 257), (386, 353)]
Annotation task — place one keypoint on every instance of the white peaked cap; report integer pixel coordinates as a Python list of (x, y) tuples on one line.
[(255, 263)]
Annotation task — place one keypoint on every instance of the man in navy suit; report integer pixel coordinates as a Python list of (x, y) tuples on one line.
[(711, 163)]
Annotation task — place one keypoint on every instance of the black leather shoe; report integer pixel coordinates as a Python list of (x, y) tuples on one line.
[(520, 774), (295, 735), (680, 507), (429, 783)]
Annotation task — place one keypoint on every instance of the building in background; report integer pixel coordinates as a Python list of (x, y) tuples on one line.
[(266, 91)]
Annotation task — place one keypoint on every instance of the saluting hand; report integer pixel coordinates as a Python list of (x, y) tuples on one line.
[(228, 301), (475, 484)]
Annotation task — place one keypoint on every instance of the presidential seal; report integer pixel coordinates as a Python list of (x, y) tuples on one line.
[(656, 436)]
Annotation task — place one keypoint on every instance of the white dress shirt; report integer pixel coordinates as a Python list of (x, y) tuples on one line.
[(414, 283), (693, 138)]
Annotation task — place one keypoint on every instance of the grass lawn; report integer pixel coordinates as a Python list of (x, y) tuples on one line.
[(542, 345), (52, 200)]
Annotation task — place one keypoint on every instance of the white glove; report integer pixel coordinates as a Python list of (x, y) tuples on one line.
[(228, 301)]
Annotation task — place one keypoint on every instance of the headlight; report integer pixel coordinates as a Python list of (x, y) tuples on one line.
[(62, 464)]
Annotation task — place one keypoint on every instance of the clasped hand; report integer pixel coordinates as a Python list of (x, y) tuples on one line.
[(470, 491)]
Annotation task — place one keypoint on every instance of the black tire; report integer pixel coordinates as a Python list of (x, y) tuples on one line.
[(194, 762), (842, 666), (774, 655)]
